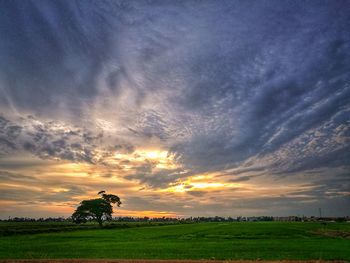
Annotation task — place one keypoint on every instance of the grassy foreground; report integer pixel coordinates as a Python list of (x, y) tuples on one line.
[(258, 240)]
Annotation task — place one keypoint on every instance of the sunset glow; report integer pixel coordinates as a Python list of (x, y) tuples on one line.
[(218, 108)]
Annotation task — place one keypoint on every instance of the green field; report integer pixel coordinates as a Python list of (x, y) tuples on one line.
[(256, 240)]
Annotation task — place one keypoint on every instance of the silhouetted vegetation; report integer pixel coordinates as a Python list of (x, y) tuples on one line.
[(188, 219), (99, 209)]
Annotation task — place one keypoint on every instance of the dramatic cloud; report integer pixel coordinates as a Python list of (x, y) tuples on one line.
[(214, 107), (57, 141)]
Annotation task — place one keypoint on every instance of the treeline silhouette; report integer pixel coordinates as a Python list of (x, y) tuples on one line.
[(188, 219)]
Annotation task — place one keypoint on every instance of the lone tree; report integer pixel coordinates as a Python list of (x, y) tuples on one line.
[(99, 209)]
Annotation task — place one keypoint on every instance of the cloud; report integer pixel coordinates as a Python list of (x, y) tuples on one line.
[(6, 176), (240, 179), (56, 140), (159, 178), (41, 197), (232, 88)]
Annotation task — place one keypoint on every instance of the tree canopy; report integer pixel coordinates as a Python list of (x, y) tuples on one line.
[(99, 209)]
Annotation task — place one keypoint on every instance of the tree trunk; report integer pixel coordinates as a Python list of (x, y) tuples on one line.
[(99, 220)]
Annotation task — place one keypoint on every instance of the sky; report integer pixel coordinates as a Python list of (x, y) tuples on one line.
[(181, 108)]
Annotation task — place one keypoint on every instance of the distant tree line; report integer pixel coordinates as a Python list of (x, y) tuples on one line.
[(41, 219), (189, 219)]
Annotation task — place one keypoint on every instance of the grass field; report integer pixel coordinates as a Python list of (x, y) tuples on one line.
[(20, 228), (256, 240)]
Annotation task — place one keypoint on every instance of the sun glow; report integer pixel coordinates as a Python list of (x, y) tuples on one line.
[(207, 185), (160, 158), (200, 183), (155, 154), (147, 213)]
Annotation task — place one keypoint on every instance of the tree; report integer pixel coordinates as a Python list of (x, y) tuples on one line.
[(99, 209)]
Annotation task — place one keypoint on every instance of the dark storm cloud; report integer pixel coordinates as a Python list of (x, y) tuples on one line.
[(340, 157), (289, 79), (43, 47), (333, 187), (244, 88), (151, 124), (255, 79)]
